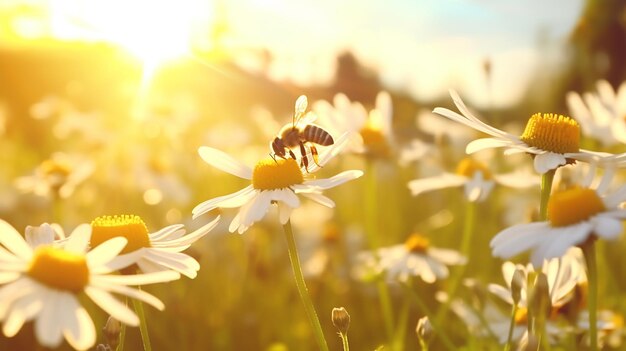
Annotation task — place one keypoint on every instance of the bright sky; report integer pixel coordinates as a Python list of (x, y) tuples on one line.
[(424, 47)]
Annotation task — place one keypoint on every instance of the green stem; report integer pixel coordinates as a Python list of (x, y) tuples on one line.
[(371, 231), (546, 189), (302, 289), (120, 346), (509, 339), (466, 239), (143, 327), (344, 341), (436, 326), (400, 333), (592, 276)]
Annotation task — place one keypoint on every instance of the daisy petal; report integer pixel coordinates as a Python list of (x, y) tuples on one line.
[(546, 161), (607, 227), (227, 201), (224, 162), (13, 241), (79, 239), (80, 332), (112, 306), (486, 143), (446, 180)]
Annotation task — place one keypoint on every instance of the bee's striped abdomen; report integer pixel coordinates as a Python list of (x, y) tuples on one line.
[(317, 135)]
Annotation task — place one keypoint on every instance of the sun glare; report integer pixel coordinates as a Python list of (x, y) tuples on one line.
[(152, 31)]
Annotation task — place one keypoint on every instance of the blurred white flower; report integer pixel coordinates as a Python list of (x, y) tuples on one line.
[(43, 284), (372, 133), (416, 257), (601, 114), (58, 175), (477, 180)]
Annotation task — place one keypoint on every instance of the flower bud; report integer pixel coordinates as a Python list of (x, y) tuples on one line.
[(424, 329), (540, 296), (341, 319), (517, 283), (111, 332)]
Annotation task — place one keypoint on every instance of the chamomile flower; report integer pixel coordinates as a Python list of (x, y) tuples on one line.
[(563, 275), (58, 175), (371, 130), (416, 257), (601, 115), (277, 181), (476, 179), (552, 139), (574, 216), (154, 252), (44, 283)]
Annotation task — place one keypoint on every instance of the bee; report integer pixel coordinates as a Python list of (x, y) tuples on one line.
[(301, 134)]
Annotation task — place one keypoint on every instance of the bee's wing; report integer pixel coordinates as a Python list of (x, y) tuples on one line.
[(307, 118), (301, 105)]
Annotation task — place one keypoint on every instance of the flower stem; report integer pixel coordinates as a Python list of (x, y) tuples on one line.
[(371, 231), (546, 189), (302, 289), (455, 279), (143, 327), (344, 341), (509, 339), (592, 276)]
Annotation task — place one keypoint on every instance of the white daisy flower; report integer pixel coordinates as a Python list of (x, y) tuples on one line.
[(59, 175), (413, 258), (552, 139), (277, 181), (44, 284), (476, 179), (371, 130), (154, 252), (563, 273), (601, 115), (574, 216)]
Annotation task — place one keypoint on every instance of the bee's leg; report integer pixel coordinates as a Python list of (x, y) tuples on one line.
[(273, 156), (304, 159), (292, 154), (315, 155)]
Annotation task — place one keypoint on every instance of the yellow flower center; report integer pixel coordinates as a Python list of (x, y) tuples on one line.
[(59, 269), (468, 167), (130, 227), (269, 174), (521, 315), (573, 206), (417, 243), (374, 141), (550, 132)]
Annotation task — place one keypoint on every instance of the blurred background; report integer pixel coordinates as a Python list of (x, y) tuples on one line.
[(103, 105)]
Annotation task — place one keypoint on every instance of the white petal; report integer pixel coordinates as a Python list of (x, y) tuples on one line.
[(334, 180), (446, 180), (501, 292), (518, 238), (224, 162), (233, 200), (41, 235), (79, 239), (112, 306), (256, 209), (546, 161), (106, 251), (50, 320), (166, 232), (607, 227), (80, 332), (193, 236), (13, 241), (177, 261), (24, 309), (138, 294), (286, 196), (136, 279), (486, 143), (321, 199), (284, 213)]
